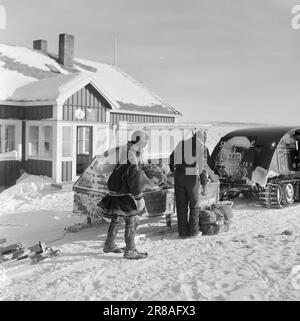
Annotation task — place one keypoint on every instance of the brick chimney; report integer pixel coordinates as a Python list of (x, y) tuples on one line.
[(41, 45), (66, 50)]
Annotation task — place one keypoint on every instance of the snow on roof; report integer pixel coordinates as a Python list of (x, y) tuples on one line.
[(10, 81), (47, 89), (123, 88), (57, 90), (27, 75), (32, 58), (20, 66)]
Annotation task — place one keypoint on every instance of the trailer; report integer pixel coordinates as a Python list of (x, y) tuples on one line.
[(264, 162)]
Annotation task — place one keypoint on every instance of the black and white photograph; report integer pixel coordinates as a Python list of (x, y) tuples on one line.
[(149, 152)]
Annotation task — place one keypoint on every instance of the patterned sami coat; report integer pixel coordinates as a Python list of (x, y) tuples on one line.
[(125, 186)]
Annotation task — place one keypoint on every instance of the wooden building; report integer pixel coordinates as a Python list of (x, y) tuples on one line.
[(56, 112)]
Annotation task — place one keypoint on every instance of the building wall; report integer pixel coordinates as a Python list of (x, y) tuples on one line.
[(66, 171), (115, 118), (39, 112), (96, 114), (39, 167), (26, 112), (9, 173), (90, 101), (12, 112)]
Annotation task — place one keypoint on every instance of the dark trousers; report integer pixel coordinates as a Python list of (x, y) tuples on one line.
[(131, 224), (187, 189)]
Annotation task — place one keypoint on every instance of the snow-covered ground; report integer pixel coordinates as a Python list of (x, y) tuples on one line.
[(253, 261)]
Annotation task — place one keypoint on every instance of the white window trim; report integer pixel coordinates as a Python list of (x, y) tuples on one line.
[(67, 158), (49, 140), (2, 138), (84, 140), (18, 137), (58, 159), (39, 156), (34, 141)]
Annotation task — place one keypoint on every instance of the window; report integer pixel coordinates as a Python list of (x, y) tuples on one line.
[(67, 142), (46, 141), (40, 141), (7, 138), (33, 140), (10, 138), (84, 140)]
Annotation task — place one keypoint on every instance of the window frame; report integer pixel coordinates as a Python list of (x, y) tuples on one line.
[(83, 141), (13, 140), (4, 139), (70, 141), (17, 124), (35, 141), (41, 155), (49, 140)]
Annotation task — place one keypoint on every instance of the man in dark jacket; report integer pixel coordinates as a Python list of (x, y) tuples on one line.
[(188, 162), (125, 198)]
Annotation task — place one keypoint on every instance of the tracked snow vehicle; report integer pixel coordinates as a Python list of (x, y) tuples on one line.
[(261, 161)]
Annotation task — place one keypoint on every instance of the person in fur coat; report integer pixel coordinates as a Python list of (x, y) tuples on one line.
[(124, 201)]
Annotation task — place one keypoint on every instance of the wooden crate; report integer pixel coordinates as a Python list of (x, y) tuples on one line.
[(160, 202)]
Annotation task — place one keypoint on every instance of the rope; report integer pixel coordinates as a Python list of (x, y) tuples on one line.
[(58, 239)]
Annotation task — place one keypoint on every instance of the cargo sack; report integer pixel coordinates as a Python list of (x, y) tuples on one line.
[(223, 216), (227, 212), (156, 174), (207, 217)]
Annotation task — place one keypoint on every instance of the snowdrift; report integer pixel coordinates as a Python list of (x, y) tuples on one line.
[(29, 195)]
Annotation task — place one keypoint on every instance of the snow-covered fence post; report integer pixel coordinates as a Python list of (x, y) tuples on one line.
[(2, 17)]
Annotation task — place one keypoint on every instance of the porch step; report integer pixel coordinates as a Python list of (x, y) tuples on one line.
[(66, 187)]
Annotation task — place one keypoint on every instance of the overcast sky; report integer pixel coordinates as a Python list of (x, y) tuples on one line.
[(224, 60)]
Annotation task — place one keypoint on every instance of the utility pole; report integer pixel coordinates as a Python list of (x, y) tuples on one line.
[(116, 52), (2, 17)]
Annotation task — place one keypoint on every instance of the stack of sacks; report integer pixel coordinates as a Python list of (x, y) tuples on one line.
[(226, 211), (216, 220), (207, 217)]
